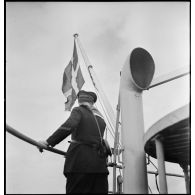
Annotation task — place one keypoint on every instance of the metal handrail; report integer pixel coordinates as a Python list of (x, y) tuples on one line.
[(29, 140)]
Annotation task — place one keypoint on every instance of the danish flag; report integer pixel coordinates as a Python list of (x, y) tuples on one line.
[(72, 80)]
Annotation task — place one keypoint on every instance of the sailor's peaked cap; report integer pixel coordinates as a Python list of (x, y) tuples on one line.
[(87, 96)]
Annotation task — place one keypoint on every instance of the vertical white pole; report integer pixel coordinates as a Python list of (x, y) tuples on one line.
[(135, 174), (116, 142), (161, 166)]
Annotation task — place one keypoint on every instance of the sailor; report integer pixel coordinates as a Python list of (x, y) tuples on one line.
[(85, 170)]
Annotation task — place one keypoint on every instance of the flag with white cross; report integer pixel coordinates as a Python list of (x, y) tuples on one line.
[(72, 80)]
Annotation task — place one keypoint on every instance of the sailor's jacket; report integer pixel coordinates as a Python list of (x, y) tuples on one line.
[(82, 126)]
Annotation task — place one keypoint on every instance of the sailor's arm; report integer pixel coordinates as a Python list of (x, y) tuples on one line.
[(66, 128)]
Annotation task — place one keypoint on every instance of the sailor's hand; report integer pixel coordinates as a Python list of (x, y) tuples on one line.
[(43, 144)]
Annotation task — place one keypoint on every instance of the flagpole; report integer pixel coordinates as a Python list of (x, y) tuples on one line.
[(96, 83)]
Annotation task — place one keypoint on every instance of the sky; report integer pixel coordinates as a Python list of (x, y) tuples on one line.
[(39, 45)]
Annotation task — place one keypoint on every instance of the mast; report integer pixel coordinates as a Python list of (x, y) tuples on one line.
[(116, 144)]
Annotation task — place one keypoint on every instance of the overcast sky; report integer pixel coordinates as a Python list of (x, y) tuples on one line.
[(39, 44)]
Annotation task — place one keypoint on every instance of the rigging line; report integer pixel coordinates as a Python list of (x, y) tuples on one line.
[(106, 134), (106, 115), (111, 131), (108, 122), (153, 164), (119, 146), (95, 82), (150, 189), (157, 183), (96, 85)]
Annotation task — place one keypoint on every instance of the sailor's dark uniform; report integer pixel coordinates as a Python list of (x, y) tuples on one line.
[(85, 170)]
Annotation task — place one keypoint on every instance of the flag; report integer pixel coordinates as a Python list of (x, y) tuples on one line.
[(72, 80)]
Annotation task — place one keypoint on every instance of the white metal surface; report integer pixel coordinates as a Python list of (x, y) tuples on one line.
[(168, 120), (135, 174), (161, 166)]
